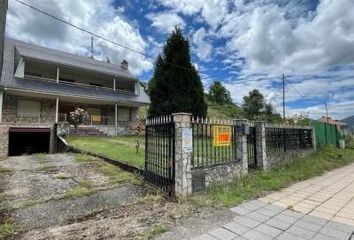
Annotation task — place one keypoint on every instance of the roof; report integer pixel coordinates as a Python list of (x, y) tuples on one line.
[(8, 80), (63, 58)]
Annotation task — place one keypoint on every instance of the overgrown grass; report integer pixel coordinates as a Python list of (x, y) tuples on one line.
[(7, 229), (158, 229), (5, 170), (83, 189), (116, 174), (83, 158), (120, 148), (259, 183)]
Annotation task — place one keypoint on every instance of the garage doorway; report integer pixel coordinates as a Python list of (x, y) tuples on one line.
[(28, 141)]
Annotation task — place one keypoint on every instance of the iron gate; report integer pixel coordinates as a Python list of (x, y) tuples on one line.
[(251, 148), (160, 153)]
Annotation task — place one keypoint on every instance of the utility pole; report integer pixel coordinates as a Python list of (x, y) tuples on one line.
[(91, 47), (283, 96)]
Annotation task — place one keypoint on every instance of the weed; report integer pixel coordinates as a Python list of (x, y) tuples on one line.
[(116, 174), (7, 229), (158, 229), (83, 189), (83, 158), (5, 170)]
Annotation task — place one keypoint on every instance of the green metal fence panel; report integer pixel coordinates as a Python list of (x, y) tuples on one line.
[(326, 134)]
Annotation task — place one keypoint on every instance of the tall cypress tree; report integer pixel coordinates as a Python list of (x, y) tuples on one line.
[(176, 85)]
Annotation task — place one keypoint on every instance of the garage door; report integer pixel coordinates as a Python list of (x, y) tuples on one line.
[(28, 141)]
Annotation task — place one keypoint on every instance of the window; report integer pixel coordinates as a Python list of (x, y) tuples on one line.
[(26, 108), (123, 114)]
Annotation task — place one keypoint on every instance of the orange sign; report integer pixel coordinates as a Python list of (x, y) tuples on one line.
[(221, 136)]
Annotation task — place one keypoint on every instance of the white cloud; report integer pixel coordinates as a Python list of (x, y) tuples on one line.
[(203, 48), (99, 16), (165, 21), (269, 41), (212, 11)]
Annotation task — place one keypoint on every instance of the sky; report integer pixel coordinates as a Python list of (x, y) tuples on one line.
[(243, 43)]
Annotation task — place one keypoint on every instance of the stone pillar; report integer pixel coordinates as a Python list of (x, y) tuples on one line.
[(57, 110), (241, 143), (183, 154), (261, 145)]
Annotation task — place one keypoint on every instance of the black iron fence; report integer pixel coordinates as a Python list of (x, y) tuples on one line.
[(283, 139), (251, 148), (160, 153), (214, 142)]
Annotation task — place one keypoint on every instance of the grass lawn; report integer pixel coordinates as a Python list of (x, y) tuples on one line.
[(258, 183), (120, 148)]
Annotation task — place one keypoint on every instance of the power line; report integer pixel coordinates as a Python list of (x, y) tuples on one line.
[(98, 36)]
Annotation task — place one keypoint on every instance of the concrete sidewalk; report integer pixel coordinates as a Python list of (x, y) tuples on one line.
[(320, 208)]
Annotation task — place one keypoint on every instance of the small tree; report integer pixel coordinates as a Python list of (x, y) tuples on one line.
[(219, 94), (77, 117)]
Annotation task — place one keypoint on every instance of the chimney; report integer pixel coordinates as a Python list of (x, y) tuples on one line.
[(124, 64)]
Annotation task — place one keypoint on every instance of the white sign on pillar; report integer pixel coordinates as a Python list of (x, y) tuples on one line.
[(187, 140)]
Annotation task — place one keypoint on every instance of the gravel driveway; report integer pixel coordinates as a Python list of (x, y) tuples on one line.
[(67, 196)]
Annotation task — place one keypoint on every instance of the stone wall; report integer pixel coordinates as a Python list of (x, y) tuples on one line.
[(280, 158), (48, 108), (217, 174)]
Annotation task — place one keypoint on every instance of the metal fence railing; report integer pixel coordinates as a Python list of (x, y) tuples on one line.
[(160, 153), (206, 151), (284, 139)]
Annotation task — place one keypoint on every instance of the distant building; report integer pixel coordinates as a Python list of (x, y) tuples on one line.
[(343, 128)]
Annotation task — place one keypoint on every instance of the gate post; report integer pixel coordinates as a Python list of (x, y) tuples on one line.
[(241, 144), (261, 145), (183, 154)]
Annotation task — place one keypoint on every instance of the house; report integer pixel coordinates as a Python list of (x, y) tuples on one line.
[(40, 86)]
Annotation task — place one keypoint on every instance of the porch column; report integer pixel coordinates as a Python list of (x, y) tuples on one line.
[(1, 103), (116, 118), (57, 111), (58, 74), (114, 84)]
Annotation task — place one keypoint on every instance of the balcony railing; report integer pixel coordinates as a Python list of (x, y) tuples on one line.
[(97, 119)]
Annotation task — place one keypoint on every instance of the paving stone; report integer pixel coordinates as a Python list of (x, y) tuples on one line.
[(301, 232), (236, 228), (308, 225), (250, 206), (320, 236), (205, 237), (278, 224), (334, 233), (222, 234), (340, 227), (274, 208), (245, 221), (258, 216), (288, 236), (293, 213), (259, 203), (268, 230), (255, 235), (319, 221), (266, 212), (240, 210), (286, 218)]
